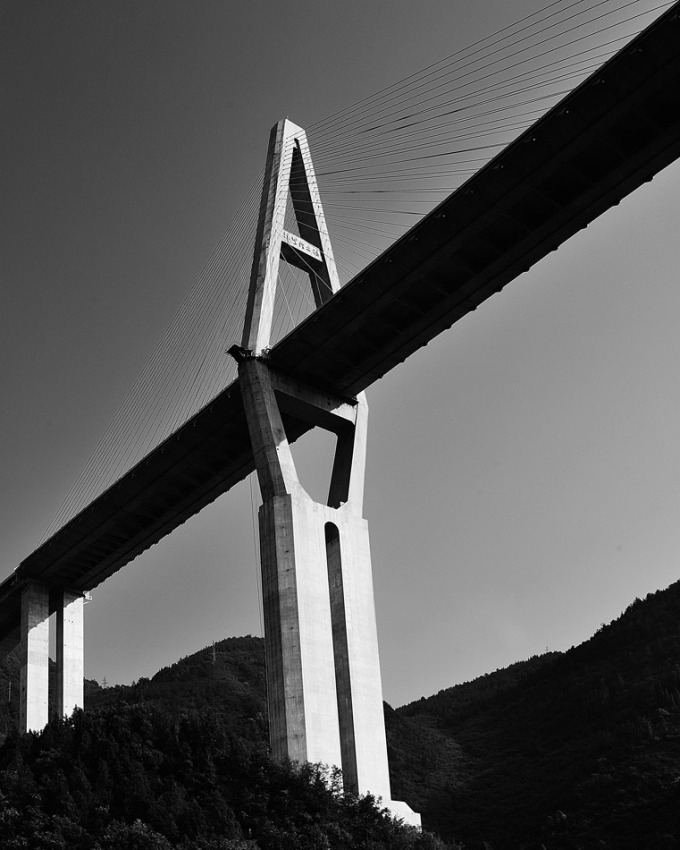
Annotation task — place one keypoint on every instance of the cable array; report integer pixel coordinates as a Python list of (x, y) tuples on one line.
[(381, 164), (186, 370)]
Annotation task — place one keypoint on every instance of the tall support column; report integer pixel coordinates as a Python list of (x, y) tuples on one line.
[(34, 657), (70, 664), (300, 668), (323, 666)]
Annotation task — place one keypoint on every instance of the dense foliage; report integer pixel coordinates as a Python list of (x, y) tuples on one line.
[(227, 678), (137, 777), (565, 751), (180, 761), (573, 750)]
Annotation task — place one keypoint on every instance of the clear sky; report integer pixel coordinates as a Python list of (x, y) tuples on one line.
[(523, 480)]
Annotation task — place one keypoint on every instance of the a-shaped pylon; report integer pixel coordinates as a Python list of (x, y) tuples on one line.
[(323, 668)]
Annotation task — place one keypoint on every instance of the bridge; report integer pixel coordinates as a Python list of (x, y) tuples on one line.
[(614, 132)]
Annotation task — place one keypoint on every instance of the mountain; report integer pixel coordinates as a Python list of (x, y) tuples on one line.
[(580, 749), (566, 750), (227, 678)]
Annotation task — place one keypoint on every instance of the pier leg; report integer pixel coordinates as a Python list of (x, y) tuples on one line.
[(321, 642), (70, 666), (34, 655)]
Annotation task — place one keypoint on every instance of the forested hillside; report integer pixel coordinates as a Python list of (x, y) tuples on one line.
[(573, 750), (227, 679), (567, 750)]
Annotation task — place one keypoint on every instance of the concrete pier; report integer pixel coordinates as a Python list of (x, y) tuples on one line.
[(70, 656), (34, 657), (321, 643)]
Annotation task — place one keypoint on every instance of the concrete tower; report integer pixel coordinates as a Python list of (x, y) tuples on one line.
[(323, 669)]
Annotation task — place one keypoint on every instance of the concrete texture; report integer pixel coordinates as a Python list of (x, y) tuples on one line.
[(288, 160), (300, 666), (34, 657), (70, 656), (323, 667)]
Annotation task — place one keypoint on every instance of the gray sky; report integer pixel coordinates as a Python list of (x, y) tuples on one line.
[(523, 469)]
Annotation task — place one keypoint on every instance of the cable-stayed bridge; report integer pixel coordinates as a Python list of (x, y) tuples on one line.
[(616, 131)]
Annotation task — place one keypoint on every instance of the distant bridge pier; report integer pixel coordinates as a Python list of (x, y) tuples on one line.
[(34, 657), (321, 643), (37, 602), (70, 652)]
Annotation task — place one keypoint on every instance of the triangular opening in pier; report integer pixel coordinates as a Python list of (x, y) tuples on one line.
[(313, 454)]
